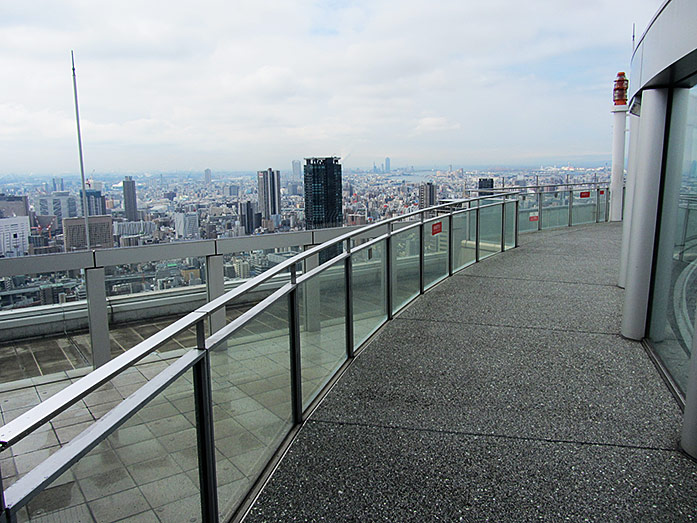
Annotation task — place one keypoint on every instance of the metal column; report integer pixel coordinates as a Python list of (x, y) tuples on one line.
[(571, 207), (348, 284), (203, 402), (539, 209), (388, 271), (98, 316), (422, 245), (618, 140), (634, 128), (295, 362), (654, 105)]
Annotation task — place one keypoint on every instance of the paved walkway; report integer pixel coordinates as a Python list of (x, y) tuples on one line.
[(504, 393)]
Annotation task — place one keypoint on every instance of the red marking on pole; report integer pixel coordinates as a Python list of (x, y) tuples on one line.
[(585, 194), (436, 228)]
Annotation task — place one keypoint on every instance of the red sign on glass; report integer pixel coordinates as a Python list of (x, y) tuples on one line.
[(585, 194), (602, 192), (534, 218), (436, 228)]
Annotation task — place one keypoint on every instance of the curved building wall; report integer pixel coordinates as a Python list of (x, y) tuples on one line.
[(664, 75)]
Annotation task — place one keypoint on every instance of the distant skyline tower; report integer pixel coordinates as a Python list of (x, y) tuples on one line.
[(427, 195), (130, 204), (296, 169), (387, 164), (58, 184), (207, 176), (96, 203), (323, 201), (269, 193)]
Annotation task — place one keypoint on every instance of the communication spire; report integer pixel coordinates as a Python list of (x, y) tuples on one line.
[(85, 209)]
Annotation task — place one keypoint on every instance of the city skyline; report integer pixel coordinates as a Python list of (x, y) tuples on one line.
[(493, 84)]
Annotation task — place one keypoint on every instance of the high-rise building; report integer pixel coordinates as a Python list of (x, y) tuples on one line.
[(58, 184), (269, 193), (60, 204), (14, 236), (387, 165), (11, 206), (323, 202), (296, 169), (96, 203), (485, 183), (186, 224), (101, 233), (129, 199), (207, 177), (427, 195)]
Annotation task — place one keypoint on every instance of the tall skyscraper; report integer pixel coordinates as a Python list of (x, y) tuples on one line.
[(427, 195), (485, 183), (186, 224), (207, 177), (14, 236), (96, 203), (58, 184), (323, 202), (129, 199), (269, 193), (387, 165), (296, 169)]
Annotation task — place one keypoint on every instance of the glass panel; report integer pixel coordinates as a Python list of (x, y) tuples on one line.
[(369, 293), (675, 281), (251, 401), (583, 207), (405, 267), (510, 224), (435, 251), (489, 231), (528, 212), (555, 209), (322, 328), (147, 468), (464, 239)]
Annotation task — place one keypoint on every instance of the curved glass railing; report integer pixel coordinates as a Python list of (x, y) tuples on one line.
[(191, 437)]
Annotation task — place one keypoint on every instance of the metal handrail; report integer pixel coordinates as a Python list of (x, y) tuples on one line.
[(16, 429)]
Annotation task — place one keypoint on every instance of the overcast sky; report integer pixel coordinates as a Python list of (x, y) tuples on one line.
[(251, 84)]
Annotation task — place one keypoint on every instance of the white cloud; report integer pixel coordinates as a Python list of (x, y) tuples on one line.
[(250, 83)]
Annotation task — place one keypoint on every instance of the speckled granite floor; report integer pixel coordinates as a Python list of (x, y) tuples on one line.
[(505, 393)]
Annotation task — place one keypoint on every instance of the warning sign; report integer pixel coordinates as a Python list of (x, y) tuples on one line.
[(534, 217), (436, 228), (602, 192), (585, 194)]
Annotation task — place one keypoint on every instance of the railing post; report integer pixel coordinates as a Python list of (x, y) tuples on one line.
[(450, 243), (571, 207), (215, 287), (607, 205), (476, 234), (422, 245), (348, 284), (597, 204), (539, 209), (503, 225), (295, 363), (388, 271), (98, 316), (517, 220), (203, 401)]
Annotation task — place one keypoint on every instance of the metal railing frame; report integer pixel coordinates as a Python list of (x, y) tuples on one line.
[(198, 359)]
